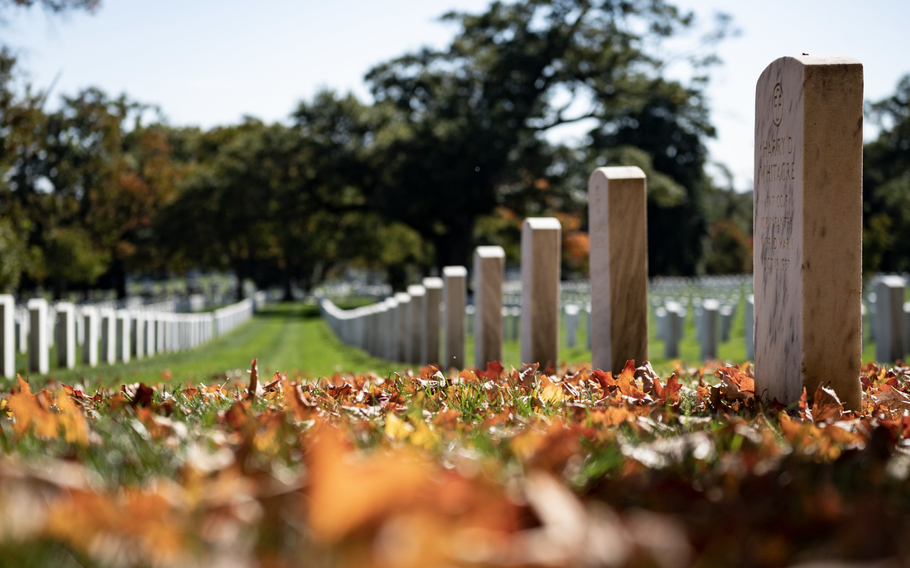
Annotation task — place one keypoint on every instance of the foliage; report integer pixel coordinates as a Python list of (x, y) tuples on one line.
[(468, 121), (886, 185), (478, 467)]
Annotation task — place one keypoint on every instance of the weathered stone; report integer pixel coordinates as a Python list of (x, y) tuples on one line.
[(889, 294), (417, 314), (430, 351), (66, 335), (38, 356), (404, 326), (617, 220), (489, 271), (91, 327), (808, 227), (710, 329), (8, 336), (455, 280), (541, 244)]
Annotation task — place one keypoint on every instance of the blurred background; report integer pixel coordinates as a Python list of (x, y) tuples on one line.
[(292, 142)]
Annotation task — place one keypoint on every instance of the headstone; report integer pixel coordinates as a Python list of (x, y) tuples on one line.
[(889, 294), (66, 335), (489, 270), (90, 345), (750, 327), (108, 336), (404, 326), (149, 334), (137, 323), (8, 335), (22, 331), (38, 358), (393, 325), (430, 352), (808, 225), (617, 221), (541, 244), (417, 313), (674, 327), (571, 325), (123, 336), (455, 281), (710, 329)]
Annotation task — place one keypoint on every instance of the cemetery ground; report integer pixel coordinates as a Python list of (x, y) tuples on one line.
[(171, 461)]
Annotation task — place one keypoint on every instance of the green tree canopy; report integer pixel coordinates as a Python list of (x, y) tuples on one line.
[(465, 127)]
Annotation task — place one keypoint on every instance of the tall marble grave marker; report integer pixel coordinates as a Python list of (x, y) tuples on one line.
[(541, 247), (889, 303), (417, 313), (430, 352), (489, 270), (617, 217), (66, 335), (38, 357), (90, 343), (8, 335), (456, 281), (808, 227)]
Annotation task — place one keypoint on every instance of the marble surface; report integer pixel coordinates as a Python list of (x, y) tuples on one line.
[(541, 248), (889, 304), (8, 336), (404, 326), (808, 227), (489, 270), (66, 335), (38, 341), (617, 221), (430, 351), (417, 314), (455, 294)]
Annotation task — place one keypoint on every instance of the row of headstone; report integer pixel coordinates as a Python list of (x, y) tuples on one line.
[(807, 280), (405, 327), (110, 335)]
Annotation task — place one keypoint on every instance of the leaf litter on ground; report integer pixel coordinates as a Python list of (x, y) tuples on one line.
[(489, 467)]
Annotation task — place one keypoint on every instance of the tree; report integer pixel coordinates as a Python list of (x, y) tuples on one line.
[(886, 185), (465, 126)]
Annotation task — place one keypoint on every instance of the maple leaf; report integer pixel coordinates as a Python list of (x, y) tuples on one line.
[(826, 407), (605, 378), (71, 420), (627, 383), (670, 393), (550, 392), (493, 372), (347, 494)]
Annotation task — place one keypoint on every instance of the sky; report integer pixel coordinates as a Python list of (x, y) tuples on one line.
[(210, 62)]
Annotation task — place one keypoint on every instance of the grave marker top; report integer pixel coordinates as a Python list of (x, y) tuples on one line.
[(808, 224)]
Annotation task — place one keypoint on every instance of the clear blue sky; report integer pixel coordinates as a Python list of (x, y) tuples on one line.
[(208, 62)]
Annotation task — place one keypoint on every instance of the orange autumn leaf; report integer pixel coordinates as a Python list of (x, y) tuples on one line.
[(71, 420), (826, 407), (670, 393), (30, 412), (627, 383), (347, 494)]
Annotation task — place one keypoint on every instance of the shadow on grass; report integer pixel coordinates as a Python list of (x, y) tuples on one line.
[(289, 310)]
